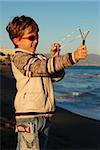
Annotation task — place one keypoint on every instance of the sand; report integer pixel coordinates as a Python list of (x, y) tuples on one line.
[(68, 130), (73, 131)]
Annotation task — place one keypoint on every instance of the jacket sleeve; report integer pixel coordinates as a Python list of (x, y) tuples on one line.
[(41, 66)]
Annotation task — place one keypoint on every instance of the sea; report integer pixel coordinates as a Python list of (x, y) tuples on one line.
[(79, 91)]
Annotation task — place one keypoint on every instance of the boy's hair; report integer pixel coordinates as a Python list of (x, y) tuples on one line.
[(17, 26)]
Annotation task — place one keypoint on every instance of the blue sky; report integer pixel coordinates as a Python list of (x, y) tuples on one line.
[(56, 19)]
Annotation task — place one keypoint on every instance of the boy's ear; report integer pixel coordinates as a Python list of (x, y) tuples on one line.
[(16, 41)]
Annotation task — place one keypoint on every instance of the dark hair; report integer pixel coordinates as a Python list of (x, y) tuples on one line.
[(16, 27)]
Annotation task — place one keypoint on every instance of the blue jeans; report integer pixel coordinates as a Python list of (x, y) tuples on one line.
[(37, 138)]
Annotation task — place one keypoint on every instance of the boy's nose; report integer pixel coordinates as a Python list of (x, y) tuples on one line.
[(36, 41)]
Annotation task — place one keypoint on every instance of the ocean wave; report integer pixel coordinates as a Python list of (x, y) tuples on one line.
[(91, 75), (84, 75), (74, 94)]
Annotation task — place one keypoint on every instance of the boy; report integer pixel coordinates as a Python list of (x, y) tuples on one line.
[(34, 73)]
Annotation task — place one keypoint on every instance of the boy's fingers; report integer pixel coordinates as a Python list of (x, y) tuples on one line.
[(56, 47), (84, 54)]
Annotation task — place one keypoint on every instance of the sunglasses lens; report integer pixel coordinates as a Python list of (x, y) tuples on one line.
[(32, 38)]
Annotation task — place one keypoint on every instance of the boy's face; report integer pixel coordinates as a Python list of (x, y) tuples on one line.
[(28, 41)]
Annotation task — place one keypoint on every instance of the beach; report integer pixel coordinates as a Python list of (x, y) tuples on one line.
[(71, 131), (68, 130)]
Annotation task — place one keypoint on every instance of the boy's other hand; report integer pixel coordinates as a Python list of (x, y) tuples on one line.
[(55, 49), (80, 53)]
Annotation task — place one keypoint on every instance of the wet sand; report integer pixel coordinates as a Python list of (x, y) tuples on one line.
[(68, 130), (71, 131)]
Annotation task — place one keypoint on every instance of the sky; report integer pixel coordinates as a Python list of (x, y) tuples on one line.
[(56, 19)]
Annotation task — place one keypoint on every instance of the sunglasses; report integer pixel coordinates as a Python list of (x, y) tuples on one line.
[(31, 38)]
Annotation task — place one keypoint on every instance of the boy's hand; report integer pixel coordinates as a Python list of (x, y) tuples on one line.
[(80, 53), (55, 49)]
